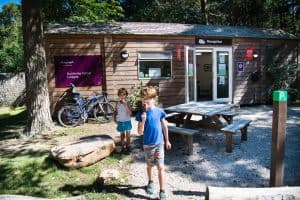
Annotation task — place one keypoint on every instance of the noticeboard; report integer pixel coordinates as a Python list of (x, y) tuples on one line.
[(79, 70)]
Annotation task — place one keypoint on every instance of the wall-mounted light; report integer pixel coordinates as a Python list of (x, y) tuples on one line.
[(255, 55), (124, 54)]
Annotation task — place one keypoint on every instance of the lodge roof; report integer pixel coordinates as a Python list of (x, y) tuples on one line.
[(147, 28)]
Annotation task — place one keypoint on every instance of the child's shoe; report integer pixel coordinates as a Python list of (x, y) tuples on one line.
[(162, 195), (150, 187), (128, 150), (123, 150)]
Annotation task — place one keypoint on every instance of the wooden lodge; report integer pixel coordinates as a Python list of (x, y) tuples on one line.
[(185, 62)]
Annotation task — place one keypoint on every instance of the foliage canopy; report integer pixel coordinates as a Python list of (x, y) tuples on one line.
[(11, 42), (277, 14)]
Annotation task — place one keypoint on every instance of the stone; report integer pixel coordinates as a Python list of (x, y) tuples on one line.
[(108, 175), (83, 152)]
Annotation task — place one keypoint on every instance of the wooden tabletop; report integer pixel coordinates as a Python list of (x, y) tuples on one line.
[(207, 108)]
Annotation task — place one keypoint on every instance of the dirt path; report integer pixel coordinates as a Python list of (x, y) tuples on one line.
[(247, 166)]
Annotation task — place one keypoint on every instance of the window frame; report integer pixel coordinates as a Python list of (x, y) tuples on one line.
[(171, 64)]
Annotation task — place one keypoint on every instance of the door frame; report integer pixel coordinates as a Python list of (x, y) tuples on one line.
[(187, 95), (214, 72), (230, 74)]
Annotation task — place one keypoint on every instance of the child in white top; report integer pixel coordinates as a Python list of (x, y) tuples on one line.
[(123, 119)]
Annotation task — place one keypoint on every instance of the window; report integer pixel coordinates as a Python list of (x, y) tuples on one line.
[(155, 64)]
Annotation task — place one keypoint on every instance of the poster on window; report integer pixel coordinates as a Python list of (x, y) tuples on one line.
[(221, 58), (191, 70), (222, 69), (79, 70), (154, 72), (221, 80)]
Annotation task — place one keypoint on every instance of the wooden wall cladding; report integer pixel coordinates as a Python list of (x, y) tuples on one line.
[(119, 72), (124, 72), (247, 90), (70, 45)]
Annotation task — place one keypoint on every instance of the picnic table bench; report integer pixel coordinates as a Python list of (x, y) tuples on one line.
[(232, 128), (228, 115), (187, 133), (211, 114)]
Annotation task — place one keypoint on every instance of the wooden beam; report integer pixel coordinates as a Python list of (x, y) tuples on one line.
[(221, 193)]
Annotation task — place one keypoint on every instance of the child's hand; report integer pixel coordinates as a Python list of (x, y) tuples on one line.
[(168, 145)]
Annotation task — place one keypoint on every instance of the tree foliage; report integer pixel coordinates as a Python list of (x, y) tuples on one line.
[(179, 11), (278, 14), (82, 11), (11, 47)]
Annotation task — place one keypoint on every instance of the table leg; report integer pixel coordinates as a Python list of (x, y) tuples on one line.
[(187, 120), (212, 122), (228, 142), (190, 144)]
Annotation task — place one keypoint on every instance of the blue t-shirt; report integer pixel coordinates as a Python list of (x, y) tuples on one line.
[(153, 133)]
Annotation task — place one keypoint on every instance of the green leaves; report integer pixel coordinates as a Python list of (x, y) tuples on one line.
[(282, 71), (83, 11), (11, 44)]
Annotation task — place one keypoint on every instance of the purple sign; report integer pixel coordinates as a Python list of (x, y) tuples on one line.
[(79, 70), (240, 66)]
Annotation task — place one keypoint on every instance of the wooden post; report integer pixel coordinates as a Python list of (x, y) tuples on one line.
[(278, 137)]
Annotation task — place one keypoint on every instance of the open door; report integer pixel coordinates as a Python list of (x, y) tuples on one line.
[(190, 74), (222, 74)]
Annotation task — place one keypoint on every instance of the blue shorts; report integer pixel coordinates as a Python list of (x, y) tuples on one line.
[(124, 126)]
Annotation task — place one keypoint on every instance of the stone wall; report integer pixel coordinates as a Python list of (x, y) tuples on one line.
[(12, 89)]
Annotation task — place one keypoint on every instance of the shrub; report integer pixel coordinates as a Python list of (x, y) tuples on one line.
[(283, 76)]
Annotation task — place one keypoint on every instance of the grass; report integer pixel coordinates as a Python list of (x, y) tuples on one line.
[(32, 172), (35, 174)]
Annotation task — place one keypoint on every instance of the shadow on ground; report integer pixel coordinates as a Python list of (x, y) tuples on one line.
[(125, 190), (11, 126)]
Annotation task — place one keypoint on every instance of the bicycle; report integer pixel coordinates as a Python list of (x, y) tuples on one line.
[(97, 107)]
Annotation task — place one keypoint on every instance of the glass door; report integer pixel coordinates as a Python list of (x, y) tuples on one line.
[(222, 74), (190, 75)]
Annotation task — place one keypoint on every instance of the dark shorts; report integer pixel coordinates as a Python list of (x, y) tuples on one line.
[(151, 154)]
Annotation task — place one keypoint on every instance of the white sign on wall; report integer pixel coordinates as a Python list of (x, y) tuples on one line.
[(154, 72)]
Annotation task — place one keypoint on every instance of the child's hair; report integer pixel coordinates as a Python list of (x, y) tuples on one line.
[(122, 91), (149, 91)]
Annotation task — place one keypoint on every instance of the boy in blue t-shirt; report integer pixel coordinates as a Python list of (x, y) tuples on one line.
[(152, 122)]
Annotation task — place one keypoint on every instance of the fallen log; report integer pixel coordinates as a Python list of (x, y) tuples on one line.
[(21, 197), (84, 152), (271, 193)]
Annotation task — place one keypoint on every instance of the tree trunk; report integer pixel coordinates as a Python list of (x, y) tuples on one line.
[(37, 96), (204, 11)]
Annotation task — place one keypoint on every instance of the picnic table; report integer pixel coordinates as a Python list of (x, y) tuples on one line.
[(216, 116), (210, 112)]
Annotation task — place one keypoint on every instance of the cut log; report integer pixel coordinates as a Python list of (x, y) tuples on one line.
[(272, 193), (21, 197), (84, 152)]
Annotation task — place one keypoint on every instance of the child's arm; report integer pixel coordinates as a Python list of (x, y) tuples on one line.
[(164, 124), (141, 124), (116, 112), (128, 108)]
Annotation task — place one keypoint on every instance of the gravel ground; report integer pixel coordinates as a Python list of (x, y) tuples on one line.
[(247, 166)]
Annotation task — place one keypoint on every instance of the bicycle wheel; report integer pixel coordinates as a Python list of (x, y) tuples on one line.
[(104, 112), (69, 116)]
